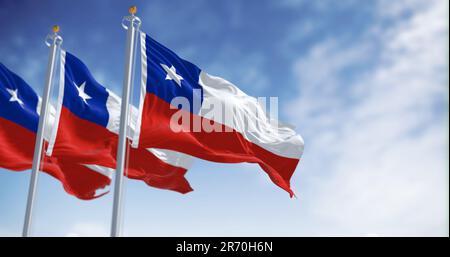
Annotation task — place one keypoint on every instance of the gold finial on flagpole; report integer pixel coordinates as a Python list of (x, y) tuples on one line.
[(132, 10), (55, 29)]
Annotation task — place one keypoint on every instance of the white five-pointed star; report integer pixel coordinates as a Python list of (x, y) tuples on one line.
[(81, 92), (172, 74), (14, 96)]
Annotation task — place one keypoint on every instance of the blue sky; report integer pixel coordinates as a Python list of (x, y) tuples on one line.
[(364, 82)]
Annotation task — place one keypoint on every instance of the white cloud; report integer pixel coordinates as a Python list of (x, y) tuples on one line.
[(90, 229), (7, 233), (378, 143)]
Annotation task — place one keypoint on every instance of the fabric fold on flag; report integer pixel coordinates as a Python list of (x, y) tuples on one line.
[(174, 91)]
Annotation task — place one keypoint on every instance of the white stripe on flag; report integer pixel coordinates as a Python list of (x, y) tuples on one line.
[(52, 138), (105, 171), (248, 117), (173, 158), (137, 131)]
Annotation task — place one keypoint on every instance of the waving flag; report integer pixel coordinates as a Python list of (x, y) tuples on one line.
[(247, 136), (82, 118), (19, 117), (87, 124)]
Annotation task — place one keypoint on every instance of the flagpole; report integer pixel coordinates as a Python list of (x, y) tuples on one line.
[(133, 28), (54, 41)]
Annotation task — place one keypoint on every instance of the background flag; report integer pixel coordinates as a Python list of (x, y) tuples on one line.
[(19, 108)]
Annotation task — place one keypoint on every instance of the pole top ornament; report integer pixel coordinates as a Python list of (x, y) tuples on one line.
[(132, 10), (55, 29)]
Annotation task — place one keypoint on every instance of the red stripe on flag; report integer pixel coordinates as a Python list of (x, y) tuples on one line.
[(17, 146), (82, 141), (81, 181), (226, 147), (16, 153)]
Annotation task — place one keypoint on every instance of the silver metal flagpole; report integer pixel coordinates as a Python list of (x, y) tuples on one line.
[(133, 28), (54, 41)]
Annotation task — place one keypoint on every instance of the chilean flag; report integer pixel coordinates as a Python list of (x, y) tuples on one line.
[(82, 119), (86, 131), (19, 117), (182, 109)]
